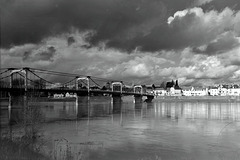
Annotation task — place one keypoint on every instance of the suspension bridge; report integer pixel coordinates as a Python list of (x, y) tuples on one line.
[(29, 81)]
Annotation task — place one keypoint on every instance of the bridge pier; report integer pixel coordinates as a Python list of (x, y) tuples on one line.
[(137, 99), (116, 103), (83, 106), (149, 99)]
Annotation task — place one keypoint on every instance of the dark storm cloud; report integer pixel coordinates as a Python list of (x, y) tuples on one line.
[(122, 24), (70, 40), (115, 21), (28, 21), (46, 55), (224, 43), (26, 56), (221, 4)]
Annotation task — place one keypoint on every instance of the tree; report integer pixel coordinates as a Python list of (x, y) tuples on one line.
[(153, 86), (104, 88), (176, 85), (170, 84), (163, 85)]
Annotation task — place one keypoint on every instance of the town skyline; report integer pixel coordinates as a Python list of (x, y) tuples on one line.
[(149, 41)]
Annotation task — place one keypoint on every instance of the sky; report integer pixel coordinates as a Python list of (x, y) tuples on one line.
[(196, 42)]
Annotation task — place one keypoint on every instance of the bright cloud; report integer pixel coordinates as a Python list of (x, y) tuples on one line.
[(197, 46), (211, 32), (55, 53), (201, 2)]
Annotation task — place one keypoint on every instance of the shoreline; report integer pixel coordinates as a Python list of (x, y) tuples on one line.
[(4, 101), (198, 98)]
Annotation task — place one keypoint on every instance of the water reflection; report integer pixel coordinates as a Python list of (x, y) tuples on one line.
[(100, 128), (199, 110), (104, 107)]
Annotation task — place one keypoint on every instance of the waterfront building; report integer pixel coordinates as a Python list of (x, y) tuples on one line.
[(58, 96), (177, 92), (70, 95), (159, 91), (234, 91), (191, 91), (223, 90), (173, 89), (177, 89), (187, 91), (149, 88), (214, 91)]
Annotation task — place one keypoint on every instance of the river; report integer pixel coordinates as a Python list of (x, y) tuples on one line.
[(98, 129)]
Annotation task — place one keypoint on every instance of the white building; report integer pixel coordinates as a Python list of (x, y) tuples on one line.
[(70, 95), (177, 92), (159, 92), (223, 91), (214, 91), (234, 92), (173, 92), (58, 96), (194, 91)]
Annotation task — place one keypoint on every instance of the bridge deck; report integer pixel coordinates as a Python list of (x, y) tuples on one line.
[(54, 90)]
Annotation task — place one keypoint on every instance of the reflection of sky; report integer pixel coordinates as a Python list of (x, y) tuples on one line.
[(58, 110), (230, 111), (211, 117), (168, 129)]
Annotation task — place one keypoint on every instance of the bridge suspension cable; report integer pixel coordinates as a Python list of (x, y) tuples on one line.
[(84, 82), (41, 77), (3, 72), (27, 79), (69, 81), (56, 73), (69, 74), (5, 77), (95, 82)]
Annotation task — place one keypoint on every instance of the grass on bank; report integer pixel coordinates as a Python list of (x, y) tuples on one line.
[(18, 150)]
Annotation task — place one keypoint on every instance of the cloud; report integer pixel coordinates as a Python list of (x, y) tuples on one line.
[(196, 28), (236, 75), (217, 68), (232, 57), (120, 24), (201, 2), (192, 27), (98, 61), (219, 5), (237, 24), (30, 21), (224, 42), (55, 53), (138, 41)]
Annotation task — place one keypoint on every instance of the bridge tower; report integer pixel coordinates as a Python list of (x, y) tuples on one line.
[(138, 89), (116, 97), (24, 71), (116, 85), (25, 99), (87, 79)]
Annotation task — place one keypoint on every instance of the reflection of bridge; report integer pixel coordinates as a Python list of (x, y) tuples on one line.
[(26, 81)]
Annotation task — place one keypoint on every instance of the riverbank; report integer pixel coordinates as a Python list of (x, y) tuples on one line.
[(198, 98), (10, 149), (4, 102)]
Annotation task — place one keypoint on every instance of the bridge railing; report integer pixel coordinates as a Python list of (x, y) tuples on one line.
[(27, 78)]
